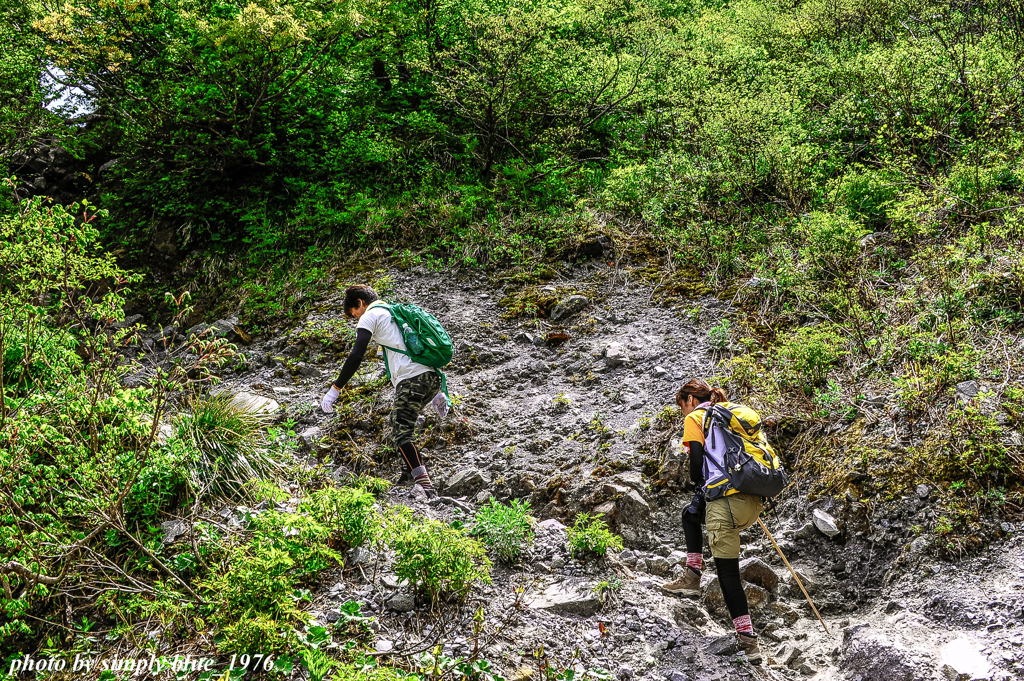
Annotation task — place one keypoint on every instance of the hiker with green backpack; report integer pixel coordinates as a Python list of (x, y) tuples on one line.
[(416, 346), (733, 467)]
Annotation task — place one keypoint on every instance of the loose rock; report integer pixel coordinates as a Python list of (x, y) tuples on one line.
[(255, 403), (569, 307), (825, 523), (759, 572), (565, 598)]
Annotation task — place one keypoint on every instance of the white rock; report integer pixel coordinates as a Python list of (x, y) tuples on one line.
[(963, 657), (615, 355), (255, 403), (164, 433), (551, 525), (825, 523), (310, 436)]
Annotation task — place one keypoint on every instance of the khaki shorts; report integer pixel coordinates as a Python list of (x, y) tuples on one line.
[(726, 516)]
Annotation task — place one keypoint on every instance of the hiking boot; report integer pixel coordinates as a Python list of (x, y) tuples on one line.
[(748, 644), (687, 585)]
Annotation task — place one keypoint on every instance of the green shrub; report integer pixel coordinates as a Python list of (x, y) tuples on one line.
[(254, 599), (441, 560), (230, 447), (718, 335), (867, 194), (348, 512), (831, 244), (160, 484), (304, 538), (589, 537), (504, 528), (806, 355), (368, 483), (35, 355)]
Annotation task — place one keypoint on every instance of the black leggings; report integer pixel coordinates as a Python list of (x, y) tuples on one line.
[(728, 568)]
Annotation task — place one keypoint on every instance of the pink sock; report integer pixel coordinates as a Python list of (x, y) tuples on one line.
[(695, 560), (744, 625)]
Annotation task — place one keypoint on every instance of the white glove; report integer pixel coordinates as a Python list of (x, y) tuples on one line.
[(327, 403)]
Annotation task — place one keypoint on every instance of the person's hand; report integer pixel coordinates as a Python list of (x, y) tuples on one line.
[(697, 504), (327, 403)]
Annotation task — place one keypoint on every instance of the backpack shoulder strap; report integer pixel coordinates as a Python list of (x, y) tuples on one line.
[(385, 306)]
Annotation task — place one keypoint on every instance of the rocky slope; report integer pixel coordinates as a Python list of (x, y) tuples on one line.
[(567, 411)]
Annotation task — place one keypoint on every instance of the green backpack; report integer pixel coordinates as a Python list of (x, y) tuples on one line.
[(426, 341)]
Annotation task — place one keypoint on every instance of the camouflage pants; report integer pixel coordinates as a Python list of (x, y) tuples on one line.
[(411, 395)]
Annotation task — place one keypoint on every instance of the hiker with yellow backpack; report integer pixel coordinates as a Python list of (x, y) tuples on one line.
[(733, 467)]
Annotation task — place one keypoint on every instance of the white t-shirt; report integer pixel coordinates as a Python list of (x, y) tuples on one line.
[(377, 320)]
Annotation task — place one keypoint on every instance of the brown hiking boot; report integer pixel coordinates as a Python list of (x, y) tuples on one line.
[(687, 585), (748, 644)]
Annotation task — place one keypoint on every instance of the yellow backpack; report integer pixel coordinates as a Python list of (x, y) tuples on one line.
[(751, 464)]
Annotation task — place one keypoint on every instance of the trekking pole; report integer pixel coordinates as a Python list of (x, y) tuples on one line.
[(796, 577)]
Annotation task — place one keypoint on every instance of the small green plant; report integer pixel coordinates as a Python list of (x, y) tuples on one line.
[(504, 528), (441, 560), (229, 445), (600, 429), (589, 536), (718, 335), (368, 483), (352, 623), (367, 672), (666, 416), (807, 355), (831, 403), (348, 512), (607, 588)]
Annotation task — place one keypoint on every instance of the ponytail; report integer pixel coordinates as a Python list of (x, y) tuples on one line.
[(699, 388)]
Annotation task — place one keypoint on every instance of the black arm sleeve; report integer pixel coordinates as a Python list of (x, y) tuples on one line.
[(697, 463), (355, 358)]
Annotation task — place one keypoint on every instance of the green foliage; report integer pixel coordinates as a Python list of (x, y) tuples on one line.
[(831, 244), (589, 537), (255, 598), (63, 418), (718, 335), (36, 357), (607, 588), (368, 483), (806, 355), (504, 528), (229, 447), (349, 512), (441, 560), (349, 672)]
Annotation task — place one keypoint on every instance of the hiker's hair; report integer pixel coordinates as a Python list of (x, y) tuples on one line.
[(699, 388), (353, 294)]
